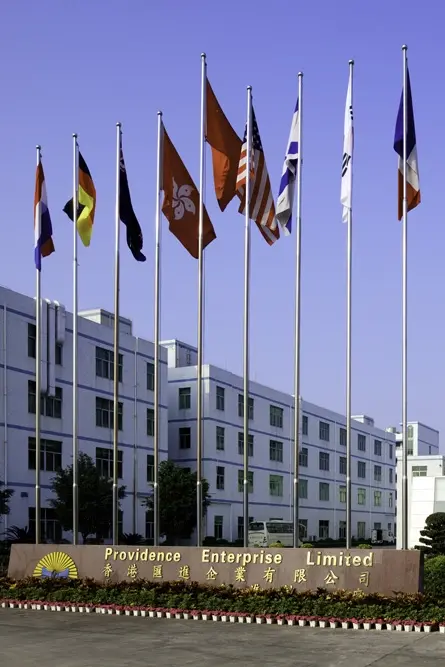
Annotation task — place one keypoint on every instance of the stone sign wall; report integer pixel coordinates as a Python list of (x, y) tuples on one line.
[(378, 570)]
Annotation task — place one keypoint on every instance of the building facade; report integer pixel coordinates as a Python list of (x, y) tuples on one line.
[(95, 407), (270, 448)]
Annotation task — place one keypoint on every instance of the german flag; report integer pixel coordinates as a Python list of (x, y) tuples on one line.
[(86, 204)]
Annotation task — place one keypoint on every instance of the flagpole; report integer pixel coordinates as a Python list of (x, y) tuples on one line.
[(297, 403), (116, 345), (246, 319), (200, 307), (75, 339), (157, 326), (38, 222), (349, 356), (405, 313)]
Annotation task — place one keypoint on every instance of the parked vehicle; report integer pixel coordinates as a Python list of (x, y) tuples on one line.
[(379, 536)]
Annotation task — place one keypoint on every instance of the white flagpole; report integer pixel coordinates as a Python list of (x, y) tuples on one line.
[(75, 340), (405, 313), (297, 403), (199, 414), (157, 326), (116, 346), (38, 224), (246, 319), (349, 353)]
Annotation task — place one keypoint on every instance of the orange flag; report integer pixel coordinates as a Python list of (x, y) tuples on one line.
[(226, 150), (181, 201)]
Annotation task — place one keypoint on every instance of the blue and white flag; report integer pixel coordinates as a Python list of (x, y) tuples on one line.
[(348, 149), (287, 186)]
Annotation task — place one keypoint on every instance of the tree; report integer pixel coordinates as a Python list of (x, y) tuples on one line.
[(95, 498), (177, 501), (433, 535), (5, 497)]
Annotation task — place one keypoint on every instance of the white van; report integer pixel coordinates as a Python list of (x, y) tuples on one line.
[(264, 533)]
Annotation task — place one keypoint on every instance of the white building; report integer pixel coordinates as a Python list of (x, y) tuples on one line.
[(322, 457), (95, 405)]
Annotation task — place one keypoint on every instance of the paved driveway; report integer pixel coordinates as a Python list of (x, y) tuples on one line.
[(29, 638)]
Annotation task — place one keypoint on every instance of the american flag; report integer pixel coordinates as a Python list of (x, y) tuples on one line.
[(262, 207)]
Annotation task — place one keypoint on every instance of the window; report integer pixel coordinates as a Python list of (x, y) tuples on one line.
[(303, 457), (361, 530), (302, 525), (220, 398), (59, 354), (377, 447), (276, 416), (32, 346), (323, 491), (220, 437), (302, 488), (150, 468), (105, 364), (389, 527), (185, 398), (50, 454), (391, 475), (105, 413), (241, 526), (323, 529), (50, 528), (276, 450), (241, 406), (377, 525), (361, 469), (276, 485), (305, 425), (342, 494), (241, 480), (342, 530), (419, 471), (323, 460), (390, 502), (377, 473), (150, 422), (323, 431), (220, 477), (361, 496), (361, 442), (218, 524), (120, 526), (241, 444), (149, 525), (150, 376), (342, 465), (184, 437), (377, 498), (50, 406), (343, 437), (104, 462), (390, 450)]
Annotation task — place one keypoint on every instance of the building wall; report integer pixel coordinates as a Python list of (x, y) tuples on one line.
[(17, 424), (227, 502)]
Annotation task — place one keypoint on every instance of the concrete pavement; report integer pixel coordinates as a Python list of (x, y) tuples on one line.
[(62, 639)]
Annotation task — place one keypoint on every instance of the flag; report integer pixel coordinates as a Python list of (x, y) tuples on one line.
[(226, 149), (348, 148), (127, 215), (43, 229), (181, 201), (412, 169), (287, 186), (86, 204), (262, 208)]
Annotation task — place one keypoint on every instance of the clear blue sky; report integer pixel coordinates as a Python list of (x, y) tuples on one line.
[(80, 66)]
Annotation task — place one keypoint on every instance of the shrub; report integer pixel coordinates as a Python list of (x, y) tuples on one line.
[(434, 576), (307, 545), (276, 545), (433, 535), (364, 546)]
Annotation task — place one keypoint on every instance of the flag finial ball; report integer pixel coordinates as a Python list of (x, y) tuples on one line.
[(404, 47), (351, 62)]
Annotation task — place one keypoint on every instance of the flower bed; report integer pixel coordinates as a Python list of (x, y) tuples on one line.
[(183, 600)]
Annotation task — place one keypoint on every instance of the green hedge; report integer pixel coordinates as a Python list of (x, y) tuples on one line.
[(188, 596)]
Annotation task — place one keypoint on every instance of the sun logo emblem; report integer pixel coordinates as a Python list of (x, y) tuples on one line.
[(56, 564)]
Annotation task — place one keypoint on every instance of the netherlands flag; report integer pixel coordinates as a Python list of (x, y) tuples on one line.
[(43, 229)]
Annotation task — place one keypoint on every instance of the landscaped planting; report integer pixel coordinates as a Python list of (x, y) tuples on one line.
[(321, 608)]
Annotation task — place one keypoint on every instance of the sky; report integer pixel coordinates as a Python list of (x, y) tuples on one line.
[(81, 66)]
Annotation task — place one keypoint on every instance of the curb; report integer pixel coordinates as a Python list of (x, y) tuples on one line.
[(228, 617)]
